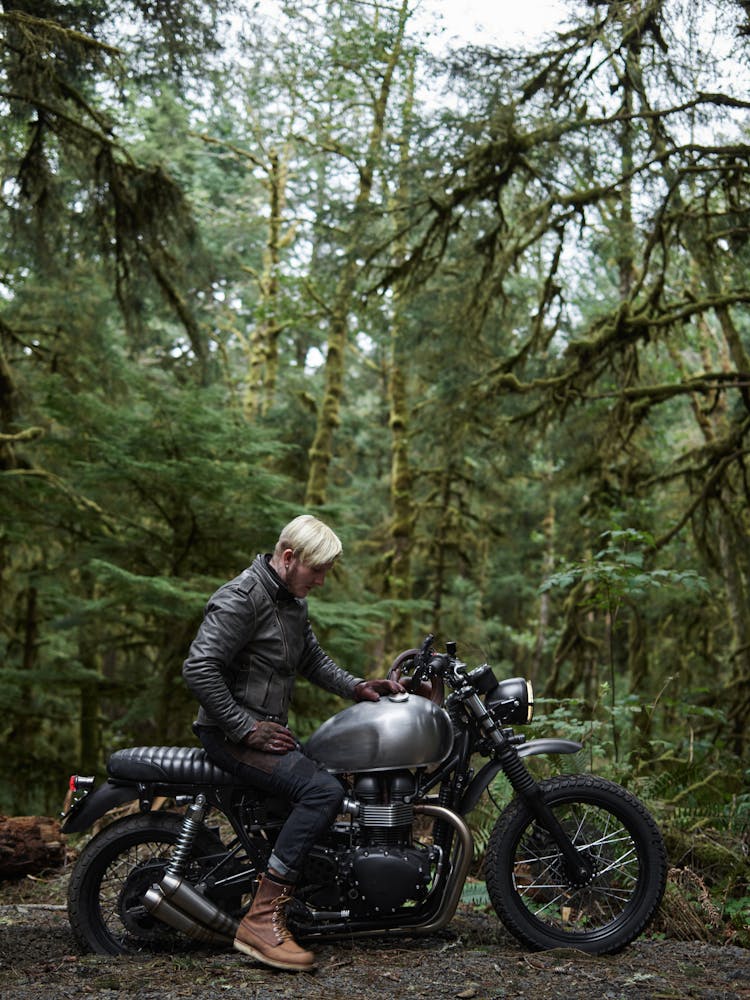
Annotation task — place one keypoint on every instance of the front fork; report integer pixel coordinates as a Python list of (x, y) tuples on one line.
[(578, 869)]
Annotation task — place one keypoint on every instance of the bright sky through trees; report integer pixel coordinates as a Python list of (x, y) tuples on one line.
[(493, 23)]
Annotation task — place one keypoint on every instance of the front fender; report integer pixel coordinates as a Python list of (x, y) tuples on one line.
[(87, 810), (548, 745), (482, 779)]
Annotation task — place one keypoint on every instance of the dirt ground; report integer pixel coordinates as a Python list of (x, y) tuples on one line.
[(474, 959)]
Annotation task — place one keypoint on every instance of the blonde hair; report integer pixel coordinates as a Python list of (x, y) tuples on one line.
[(312, 542)]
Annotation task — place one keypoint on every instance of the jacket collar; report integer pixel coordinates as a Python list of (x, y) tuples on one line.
[(271, 579)]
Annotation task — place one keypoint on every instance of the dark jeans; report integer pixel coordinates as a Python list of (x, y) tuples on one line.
[(315, 795)]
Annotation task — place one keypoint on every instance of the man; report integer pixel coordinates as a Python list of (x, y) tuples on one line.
[(254, 639)]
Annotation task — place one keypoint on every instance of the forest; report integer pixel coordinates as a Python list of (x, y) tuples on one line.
[(484, 311)]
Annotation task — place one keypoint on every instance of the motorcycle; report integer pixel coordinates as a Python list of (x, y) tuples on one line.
[(573, 861)]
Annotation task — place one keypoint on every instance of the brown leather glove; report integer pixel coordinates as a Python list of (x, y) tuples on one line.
[(372, 690), (270, 737)]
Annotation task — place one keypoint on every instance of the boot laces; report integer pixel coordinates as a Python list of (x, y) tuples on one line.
[(279, 917)]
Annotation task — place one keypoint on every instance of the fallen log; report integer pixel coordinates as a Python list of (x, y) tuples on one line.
[(29, 845)]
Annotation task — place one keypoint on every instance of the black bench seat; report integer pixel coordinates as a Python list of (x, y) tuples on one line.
[(173, 765)]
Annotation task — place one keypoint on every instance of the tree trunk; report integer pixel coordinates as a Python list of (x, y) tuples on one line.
[(398, 578), (90, 722), (738, 608), (545, 599), (321, 450), (263, 352)]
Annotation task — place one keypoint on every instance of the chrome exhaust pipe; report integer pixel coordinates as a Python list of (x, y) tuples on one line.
[(163, 910), (184, 897), (460, 863)]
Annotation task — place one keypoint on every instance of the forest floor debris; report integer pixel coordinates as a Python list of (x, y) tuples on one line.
[(472, 959)]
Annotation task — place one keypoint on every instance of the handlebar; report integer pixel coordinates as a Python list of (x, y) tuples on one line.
[(430, 664), (508, 701)]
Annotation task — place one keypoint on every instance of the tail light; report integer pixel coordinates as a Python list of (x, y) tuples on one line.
[(78, 788), (81, 783)]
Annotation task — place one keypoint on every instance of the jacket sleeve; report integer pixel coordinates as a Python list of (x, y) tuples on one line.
[(228, 622), (318, 667)]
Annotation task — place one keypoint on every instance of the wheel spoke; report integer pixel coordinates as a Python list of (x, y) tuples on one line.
[(138, 856), (539, 874)]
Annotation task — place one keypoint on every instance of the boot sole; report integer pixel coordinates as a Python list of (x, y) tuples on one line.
[(275, 963)]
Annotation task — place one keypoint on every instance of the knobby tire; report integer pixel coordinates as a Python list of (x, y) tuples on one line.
[(526, 874)]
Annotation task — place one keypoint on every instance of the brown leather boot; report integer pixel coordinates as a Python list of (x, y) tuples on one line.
[(263, 933)]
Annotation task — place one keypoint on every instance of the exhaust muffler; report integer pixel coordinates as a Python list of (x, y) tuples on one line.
[(163, 910), (182, 895), (175, 902)]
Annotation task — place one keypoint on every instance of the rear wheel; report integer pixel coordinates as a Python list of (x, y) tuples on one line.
[(116, 869), (527, 879)]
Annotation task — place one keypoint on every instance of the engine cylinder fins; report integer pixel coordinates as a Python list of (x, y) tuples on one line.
[(395, 814)]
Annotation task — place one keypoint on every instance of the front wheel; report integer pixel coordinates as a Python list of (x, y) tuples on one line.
[(527, 879)]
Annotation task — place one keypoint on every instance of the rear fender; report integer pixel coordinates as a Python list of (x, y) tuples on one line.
[(86, 811), (483, 778)]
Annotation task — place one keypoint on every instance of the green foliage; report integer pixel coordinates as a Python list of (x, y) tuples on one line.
[(618, 573), (166, 497), (568, 324), (710, 878)]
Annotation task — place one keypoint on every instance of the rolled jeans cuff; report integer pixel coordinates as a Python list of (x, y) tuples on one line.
[(287, 873)]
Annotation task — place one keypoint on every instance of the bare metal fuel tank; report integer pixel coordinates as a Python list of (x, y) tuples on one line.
[(400, 730)]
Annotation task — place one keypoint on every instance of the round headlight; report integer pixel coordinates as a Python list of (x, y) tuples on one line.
[(512, 701)]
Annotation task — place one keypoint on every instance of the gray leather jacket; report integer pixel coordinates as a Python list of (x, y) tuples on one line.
[(253, 641)]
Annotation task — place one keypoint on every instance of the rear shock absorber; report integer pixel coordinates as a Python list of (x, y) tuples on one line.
[(176, 902), (191, 824)]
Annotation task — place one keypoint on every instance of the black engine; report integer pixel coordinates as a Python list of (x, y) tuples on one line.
[(374, 866)]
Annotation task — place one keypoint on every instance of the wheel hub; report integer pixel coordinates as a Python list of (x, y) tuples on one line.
[(584, 872), (131, 908)]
